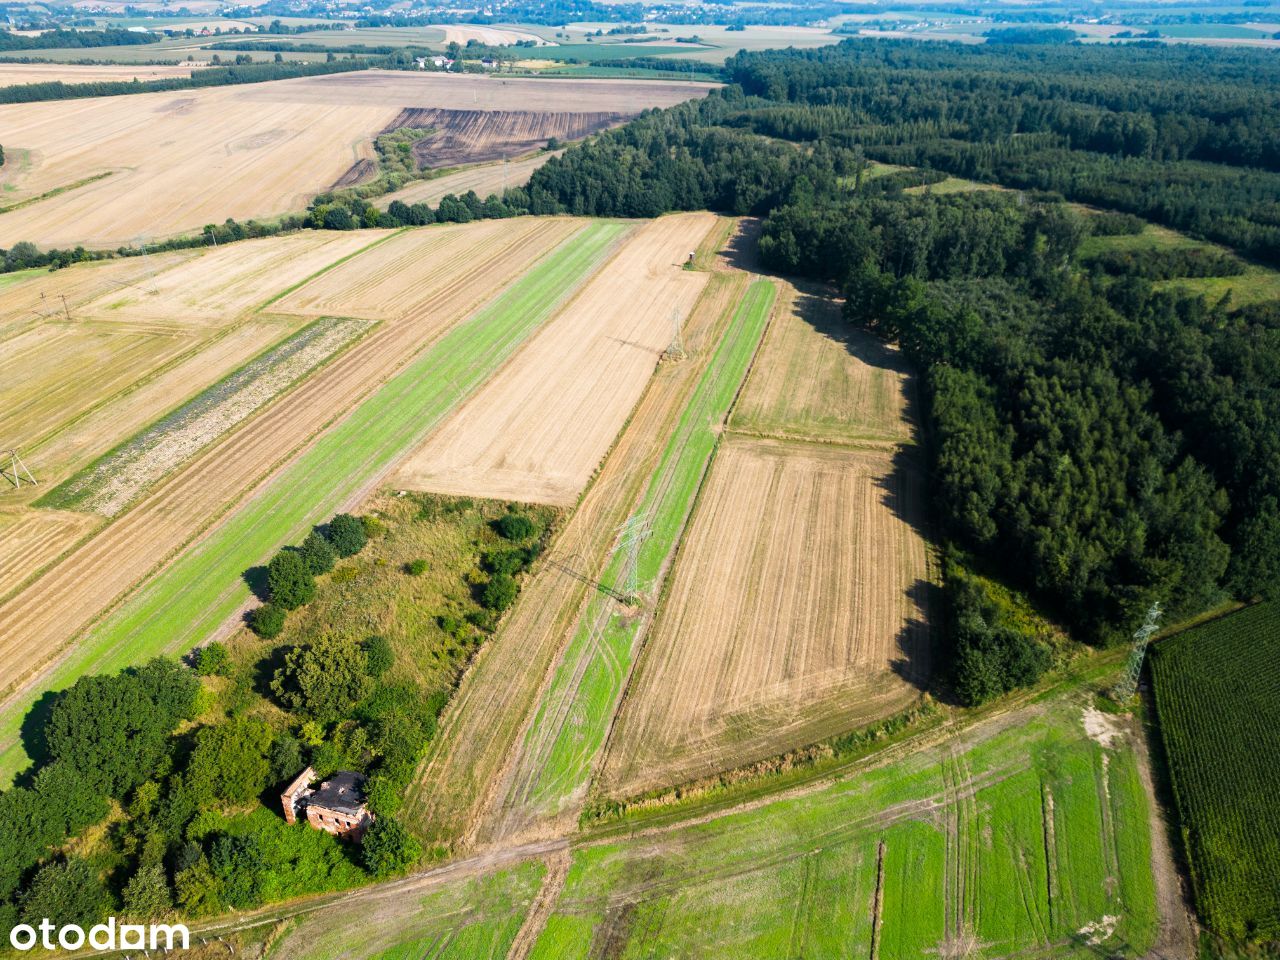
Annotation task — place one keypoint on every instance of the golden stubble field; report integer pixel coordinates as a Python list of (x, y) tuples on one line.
[(800, 602), (116, 170), (797, 609), (12, 74), (44, 615), (539, 430)]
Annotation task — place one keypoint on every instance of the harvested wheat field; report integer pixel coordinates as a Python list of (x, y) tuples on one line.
[(820, 378), (539, 431), (111, 170), (797, 610), (30, 297), (472, 91), (223, 282), (37, 623), (110, 423), (478, 136), (55, 371), (154, 165), (33, 538), (12, 74), (494, 37), (482, 180), (399, 276)]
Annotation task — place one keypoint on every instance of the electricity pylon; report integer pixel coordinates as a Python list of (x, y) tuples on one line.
[(1128, 686), (18, 469), (676, 350), (631, 538)]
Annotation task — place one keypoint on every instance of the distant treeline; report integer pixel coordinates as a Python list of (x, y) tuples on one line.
[(205, 77), (73, 39)]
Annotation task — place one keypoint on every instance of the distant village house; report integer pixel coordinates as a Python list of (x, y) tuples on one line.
[(337, 806)]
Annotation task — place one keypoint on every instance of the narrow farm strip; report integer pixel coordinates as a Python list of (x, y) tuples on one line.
[(92, 577), (797, 611), (574, 717), (482, 728)]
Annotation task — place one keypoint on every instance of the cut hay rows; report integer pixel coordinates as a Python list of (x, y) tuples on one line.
[(118, 479), (33, 538), (476, 136), (116, 418), (37, 623), (222, 283), (819, 378), (796, 606), (539, 431), (176, 161), (483, 180), (59, 370)]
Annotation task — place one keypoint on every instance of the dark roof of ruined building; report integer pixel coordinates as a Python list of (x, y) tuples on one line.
[(341, 793)]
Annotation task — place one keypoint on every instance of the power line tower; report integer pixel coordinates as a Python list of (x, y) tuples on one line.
[(631, 538), (1128, 686), (146, 258), (17, 469), (675, 351)]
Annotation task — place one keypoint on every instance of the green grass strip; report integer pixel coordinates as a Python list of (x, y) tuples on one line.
[(588, 683), (204, 586)]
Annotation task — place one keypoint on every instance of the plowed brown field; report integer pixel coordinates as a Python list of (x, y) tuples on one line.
[(797, 609), (539, 430), (476, 136), (37, 622)]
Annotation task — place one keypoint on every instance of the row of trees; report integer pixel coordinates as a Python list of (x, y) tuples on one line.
[(291, 573)]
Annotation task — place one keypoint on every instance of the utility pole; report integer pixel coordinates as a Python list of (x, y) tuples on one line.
[(65, 308)]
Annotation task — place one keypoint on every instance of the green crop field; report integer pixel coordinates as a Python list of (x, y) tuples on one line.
[(1033, 842), (474, 919), (574, 717), (1218, 700), (204, 586)]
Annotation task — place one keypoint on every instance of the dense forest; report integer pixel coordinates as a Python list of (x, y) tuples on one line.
[(1095, 440)]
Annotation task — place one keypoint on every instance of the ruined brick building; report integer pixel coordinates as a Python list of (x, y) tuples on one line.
[(337, 806)]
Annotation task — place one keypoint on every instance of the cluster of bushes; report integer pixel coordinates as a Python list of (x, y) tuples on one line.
[(291, 574), (998, 644), (504, 564)]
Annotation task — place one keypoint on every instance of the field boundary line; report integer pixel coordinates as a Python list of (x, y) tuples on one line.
[(56, 191)]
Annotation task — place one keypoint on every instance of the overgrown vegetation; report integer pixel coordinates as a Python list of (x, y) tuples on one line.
[(157, 789)]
